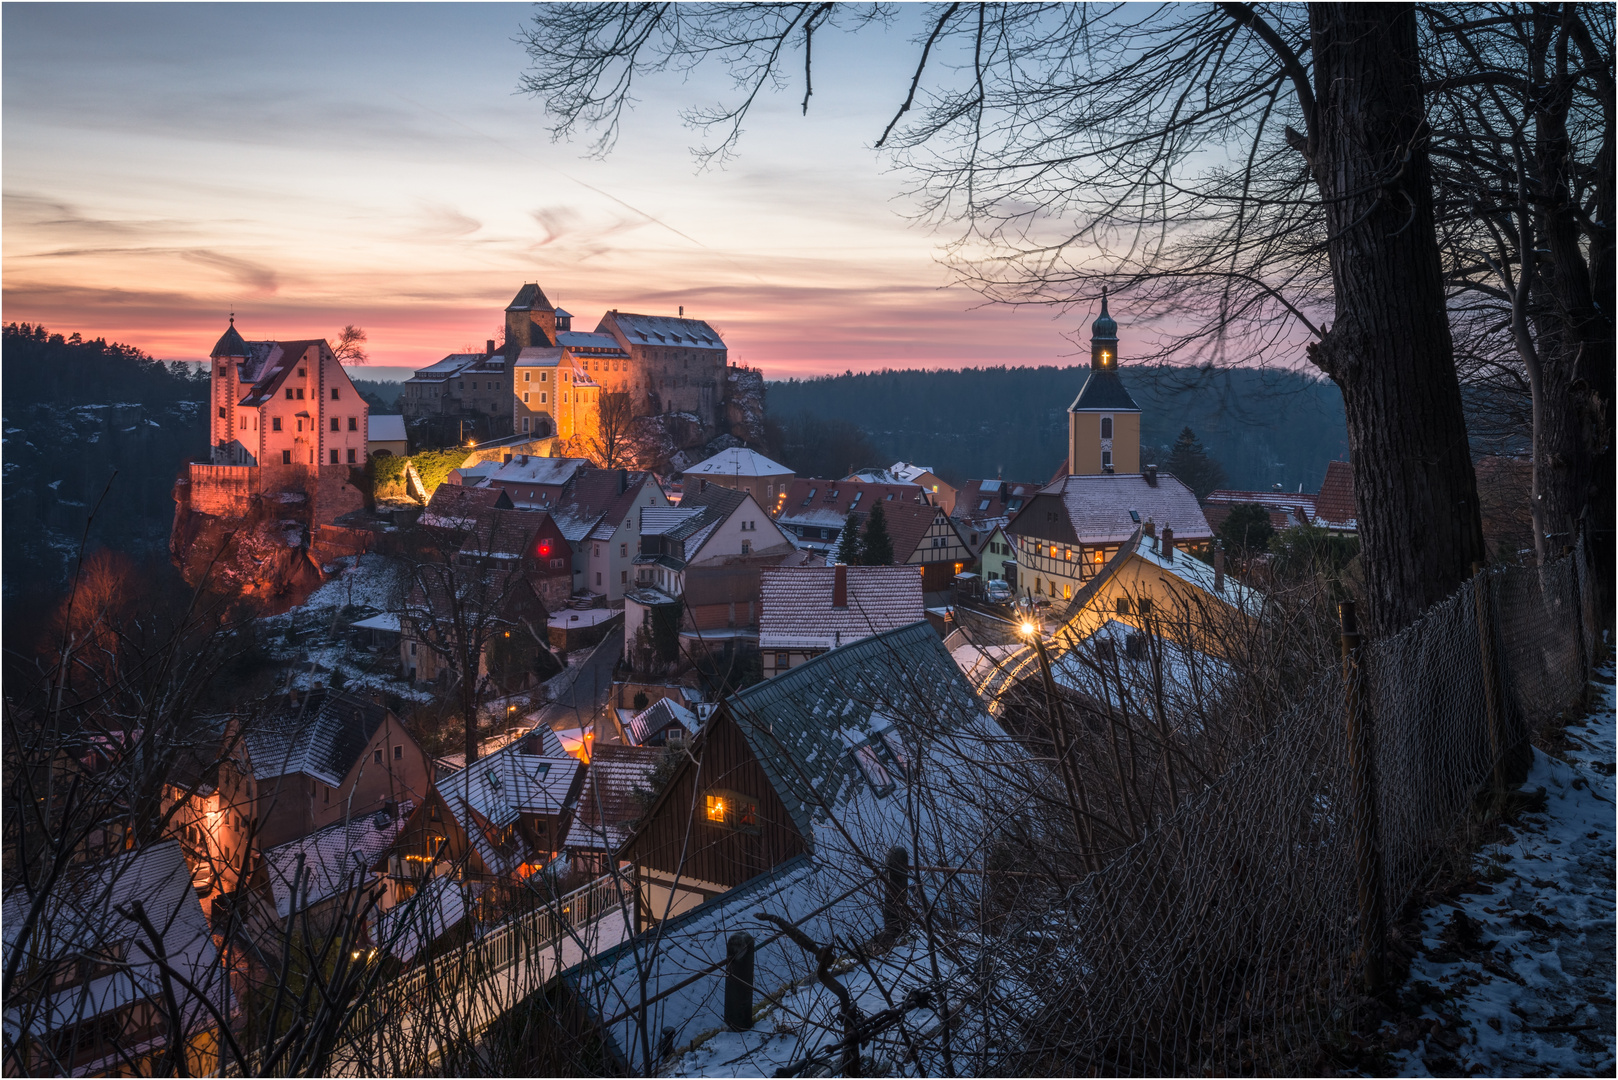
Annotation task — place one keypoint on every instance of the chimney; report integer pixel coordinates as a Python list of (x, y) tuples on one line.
[(623, 481), (702, 483), (839, 586), (1219, 567), (1168, 545), (682, 311), (488, 347), (505, 459), (1150, 528), (1150, 472)]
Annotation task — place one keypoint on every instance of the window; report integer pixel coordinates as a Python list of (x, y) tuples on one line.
[(542, 397), (1105, 650), (1122, 606), (336, 424), (334, 457), (896, 746), (326, 794), (1135, 647), (1067, 592), (377, 755), (544, 376), (623, 577), (300, 425), (303, 373), (1106, 427), (732, 809), (1143, 606), (1106, 459), (747, 547), (353, 423), (286, 457), (351, 460), (334, 393), (300, 393), (872, 768), (221, 410), (525, 398), (598, 577), (289, 393), (623, 551), (398, 753), (525, 378)]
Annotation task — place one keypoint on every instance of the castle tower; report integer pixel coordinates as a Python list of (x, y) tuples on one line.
[(1103, 423), (530, 319), (225, 377)]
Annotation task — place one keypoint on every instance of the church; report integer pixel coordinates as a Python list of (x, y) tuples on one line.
[(1068, 531)]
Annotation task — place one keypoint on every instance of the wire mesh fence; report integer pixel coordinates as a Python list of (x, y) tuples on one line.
[(1239, 933)]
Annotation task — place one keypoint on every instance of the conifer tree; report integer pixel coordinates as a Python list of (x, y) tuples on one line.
[(848, 544), (1191, 465), (878, 547)]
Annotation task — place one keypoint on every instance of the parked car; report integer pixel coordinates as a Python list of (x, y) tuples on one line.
[(998, 592)]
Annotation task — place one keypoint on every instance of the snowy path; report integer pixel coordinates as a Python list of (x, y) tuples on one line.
[(1519, 981)]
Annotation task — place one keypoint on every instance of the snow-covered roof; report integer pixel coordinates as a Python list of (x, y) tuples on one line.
[(335, 860), (321, 737), (533, 775), (386, 428), (385, 621), (538, 356), (529, 469), (662, 520), (83, 917), (607, 805), (435, 909), (1103, 509), (796, 604), (451, 365), (738, 461), (594, 344), (658, 717), (663, 330)]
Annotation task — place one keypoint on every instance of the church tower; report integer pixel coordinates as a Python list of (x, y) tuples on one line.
[(1103, 423)]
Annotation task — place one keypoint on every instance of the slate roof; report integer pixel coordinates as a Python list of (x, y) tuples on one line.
[(607, 804), (1335, 504), (1098, 507), (533, 775), (82, 916), (1003, 498), (230, 343), (1103, 391), (594, 344), (805, 726), (738, 461), (658, 717), (279, 362), (529, 298), (322, 737), (795, 605), (386, 428), (538, 356), (826, 503), (660, 330), (335, 860)]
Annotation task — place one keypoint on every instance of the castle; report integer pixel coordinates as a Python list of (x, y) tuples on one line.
[(547, 378)]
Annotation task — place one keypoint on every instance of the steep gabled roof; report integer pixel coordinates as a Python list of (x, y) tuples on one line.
[(908, 524), (1335, 504), (608, 807), (827, 502), (530, 298), (321, 737), (281, 360), (738, 461), (458, 507), (1103, 391), (1098, 508), (335, 859)]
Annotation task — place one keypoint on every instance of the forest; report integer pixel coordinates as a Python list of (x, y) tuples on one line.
[(1264, 426)]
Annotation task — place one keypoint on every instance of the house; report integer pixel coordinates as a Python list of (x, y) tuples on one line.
[(465, 397), (532, 482), (806, 611), (939, 492), (86, 995), (600, 516), (527, 541), (653, 725), (997, 557), (927, 538), (324, 758), (778, 810), (387, 436), (284, 403), (617, 785), (814, 510), (698, 564), (1286, 509), (334, 862), (455, 508), (745, 470), (478, 833)]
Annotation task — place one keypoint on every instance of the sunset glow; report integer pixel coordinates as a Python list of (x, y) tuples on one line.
[(312, 166)]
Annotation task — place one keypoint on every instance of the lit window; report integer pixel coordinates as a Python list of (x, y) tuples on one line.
[(716, 808)]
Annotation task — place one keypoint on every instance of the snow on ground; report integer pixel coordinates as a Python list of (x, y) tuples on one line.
[(1519, 981), (589, 617)]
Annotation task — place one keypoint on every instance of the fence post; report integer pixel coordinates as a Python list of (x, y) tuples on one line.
[(739, 981), (895, 910), (1362, 784), (1491, 694)]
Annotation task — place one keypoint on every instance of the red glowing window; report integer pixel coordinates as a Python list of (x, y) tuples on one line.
[(544, 549)]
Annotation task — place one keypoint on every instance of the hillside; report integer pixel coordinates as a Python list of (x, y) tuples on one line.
[(75, 413), (1264, 427)]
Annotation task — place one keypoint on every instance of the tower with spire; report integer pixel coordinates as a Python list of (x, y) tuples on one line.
[(1103, 423)]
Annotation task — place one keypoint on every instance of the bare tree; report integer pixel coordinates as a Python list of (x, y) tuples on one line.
[(1265, 168), (349, 348), (611, 445)]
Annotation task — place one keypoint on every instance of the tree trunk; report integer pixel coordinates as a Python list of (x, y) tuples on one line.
[(1575, 448), (1390, 351)]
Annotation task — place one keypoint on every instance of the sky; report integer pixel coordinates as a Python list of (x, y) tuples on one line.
[(312, 166)]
